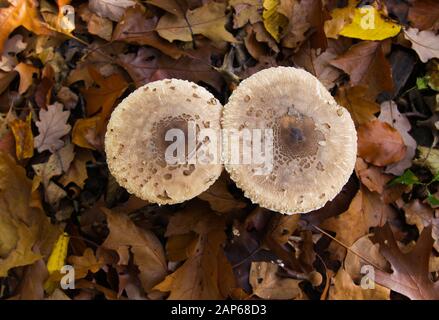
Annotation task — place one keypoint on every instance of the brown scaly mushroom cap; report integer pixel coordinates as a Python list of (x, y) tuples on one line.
[(135, 141), (314, 140)]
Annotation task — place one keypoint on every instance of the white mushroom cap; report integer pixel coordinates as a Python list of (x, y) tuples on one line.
[(314, 140), (135, 141)]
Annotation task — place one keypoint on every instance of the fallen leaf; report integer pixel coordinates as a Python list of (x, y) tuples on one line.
[(368, 250), (428, 158), (391, 115), (59, 162), (139, 28), (86, 133), (267, 284), (208, 20), (24, 227), (77, 172), (368, 24), (102, 97), (275, 22), (410, 275), (365, 211), (367, 65), (12, 47), (24, 139), (86, 263), (21, 13), (343, 288), (111, 9), (319, 65), (425, 43), (360, 105), (424, 14), (52, 127), (147, 250), (380, 144), (149, 65), (219, 197), (340, 17), (246, 11), (206, 274), (27, 73)]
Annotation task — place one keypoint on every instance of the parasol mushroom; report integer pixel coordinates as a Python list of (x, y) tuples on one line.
[(314, 140), (137, 141)]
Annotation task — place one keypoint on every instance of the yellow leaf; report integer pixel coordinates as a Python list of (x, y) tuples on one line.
[(368, 24), (24, 140), (26, 72), (340, 18), (364, 23), (274, 22), (21, 13), (59, 253), (86, 132)]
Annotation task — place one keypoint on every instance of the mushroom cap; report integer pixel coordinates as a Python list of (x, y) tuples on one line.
[(314, 140), (136, 147)]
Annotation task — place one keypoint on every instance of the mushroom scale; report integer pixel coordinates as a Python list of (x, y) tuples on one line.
[(314, 140), (135, 141)]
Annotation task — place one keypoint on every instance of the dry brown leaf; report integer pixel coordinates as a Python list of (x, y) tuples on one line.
[(206, 274), (367, 65), (147, 250), (52, 127), (343, 288), (367, 249), (24, 227), (208, 20), (365, 211), (267, 284), (391, 115), (27, 73), (139, 28), (86, 263), (410, 275), (111, 9), (380, 144), (359, 103), (24, 139), (21, 13), (220, 198)]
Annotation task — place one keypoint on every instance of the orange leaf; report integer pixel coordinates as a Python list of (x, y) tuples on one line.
[(24, 140), (21, 13), (86, 133), (105, 94), (380, 144), (26, 72)]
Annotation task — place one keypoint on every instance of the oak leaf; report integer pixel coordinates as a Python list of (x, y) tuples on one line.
[(425, 43), (410, 275), (52, 127), (344, 288), (12, 47)]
